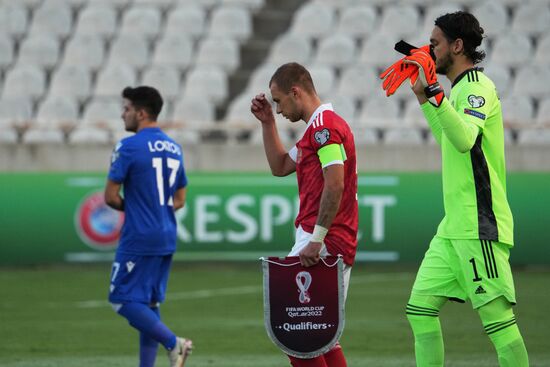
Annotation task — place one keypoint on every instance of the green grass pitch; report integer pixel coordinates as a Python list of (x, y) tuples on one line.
[(58, 316)]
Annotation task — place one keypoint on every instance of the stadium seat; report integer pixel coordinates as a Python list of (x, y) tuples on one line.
[(324, 79), (337, 50), (533, 81), (493, 16), (380, 112), (174, 50), (161, 4), (97, 19), (403, 136), (543, 113), (219, 52), (52, 18), (253, 5), (194, 112), (512, 49), (259, 79), (28, 4), (144, 21), (239, 115), (290, 47), (208, 82), (15, 111), (500, 75), (9, 135), (357, 21), (206, 4), (165, 78), (131, 50), (7, 54), (358, 82), (432, 13), (542, 54), (85, 50), (399, 21), (534, 137), (24, 81), (104, 113), (413, 115), (517, 111), (232, 22), (39, 49), (313, 20), (57, 111), (88, 135), (43, 136), (183, 136), (72, 80), (285, 134), (189, 20), (531, 18), (365, 135), (113, 78), (378, 51), (114, 4), (343, 106), (14, 19)]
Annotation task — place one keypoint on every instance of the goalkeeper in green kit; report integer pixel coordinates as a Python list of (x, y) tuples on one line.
[(468, 257)]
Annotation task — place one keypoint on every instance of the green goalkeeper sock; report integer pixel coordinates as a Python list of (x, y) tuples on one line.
[(423, 315), (500, 324)]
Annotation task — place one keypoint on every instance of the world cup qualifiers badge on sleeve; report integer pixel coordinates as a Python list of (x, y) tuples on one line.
[(303, 307)]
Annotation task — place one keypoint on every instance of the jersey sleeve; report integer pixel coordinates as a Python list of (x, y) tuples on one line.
[(121, 160), (430, 113), (181, 179), (461, 131), (327, 139)]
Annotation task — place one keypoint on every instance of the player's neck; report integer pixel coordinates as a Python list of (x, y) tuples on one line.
[(145, 124), (310, 106), (458, 68)]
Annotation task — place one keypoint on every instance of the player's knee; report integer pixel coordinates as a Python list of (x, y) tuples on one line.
[(419, 305), (497, 315)]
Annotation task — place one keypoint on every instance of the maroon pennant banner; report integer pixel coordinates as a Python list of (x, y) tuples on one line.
[(303, 307)]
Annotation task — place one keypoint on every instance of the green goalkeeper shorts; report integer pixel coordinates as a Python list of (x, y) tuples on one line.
[(478, 270)]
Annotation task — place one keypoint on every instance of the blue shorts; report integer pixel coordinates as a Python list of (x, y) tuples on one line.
[(136, 278)]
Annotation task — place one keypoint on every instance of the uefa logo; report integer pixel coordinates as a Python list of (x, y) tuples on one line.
[(97, 224)]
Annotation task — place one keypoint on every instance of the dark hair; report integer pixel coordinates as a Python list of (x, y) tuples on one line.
[(465, 26), (291, 74), (147, 98)]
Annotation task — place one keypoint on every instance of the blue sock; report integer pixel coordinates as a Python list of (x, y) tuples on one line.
[(147, 321), (148, 346)]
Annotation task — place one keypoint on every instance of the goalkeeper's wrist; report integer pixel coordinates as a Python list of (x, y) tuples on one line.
[(319, 233)]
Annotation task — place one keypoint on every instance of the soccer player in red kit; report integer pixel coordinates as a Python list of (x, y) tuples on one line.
[(324, 160)]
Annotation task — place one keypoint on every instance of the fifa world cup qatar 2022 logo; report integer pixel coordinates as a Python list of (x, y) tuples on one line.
[(303, 280), (98, 225)]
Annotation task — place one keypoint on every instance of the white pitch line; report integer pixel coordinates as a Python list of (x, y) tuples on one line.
[(234, 291)]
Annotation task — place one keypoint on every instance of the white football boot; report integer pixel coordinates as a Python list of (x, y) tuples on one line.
[(181, 351)]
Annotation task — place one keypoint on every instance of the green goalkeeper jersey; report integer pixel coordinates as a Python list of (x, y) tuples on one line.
[(470, 131)]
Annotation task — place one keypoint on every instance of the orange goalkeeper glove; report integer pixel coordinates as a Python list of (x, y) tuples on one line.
[(396, 74), (426, 72)]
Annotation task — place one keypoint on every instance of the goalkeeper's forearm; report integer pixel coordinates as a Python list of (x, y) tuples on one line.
[(433, 120), (460, 133)]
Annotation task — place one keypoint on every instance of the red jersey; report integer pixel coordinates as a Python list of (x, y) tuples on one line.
[(325, 127)]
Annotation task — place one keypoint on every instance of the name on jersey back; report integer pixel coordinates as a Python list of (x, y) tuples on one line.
[(163, 145)]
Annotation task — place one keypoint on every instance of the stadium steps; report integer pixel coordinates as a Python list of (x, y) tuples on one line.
[(268, 23)]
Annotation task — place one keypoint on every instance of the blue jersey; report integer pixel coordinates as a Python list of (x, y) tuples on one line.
[(149, 165)]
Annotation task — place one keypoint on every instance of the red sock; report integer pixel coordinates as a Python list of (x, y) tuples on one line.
[(335, 357), (313, 362)]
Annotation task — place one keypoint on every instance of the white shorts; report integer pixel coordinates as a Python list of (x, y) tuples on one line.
[(302, 239)]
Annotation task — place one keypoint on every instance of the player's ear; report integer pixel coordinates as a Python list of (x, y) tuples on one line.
[(295, 91), (457, 46)]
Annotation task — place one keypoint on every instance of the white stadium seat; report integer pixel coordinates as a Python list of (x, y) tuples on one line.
[(13, 19), (313, 20), (239, 115), (183, 136), (336, 50), (165, 78), (543, 113), (403, 136), (161, 4), (413, 115), (534, 137), (324, 79), (39, 49), (512, 49), (24, 81), (174, 50), (52, 18), (194, 111), (7, 54), (380, 112), (15, 111), (365, 135), (9, 135), (186, 21), (432, 13), (88, 135), (259, 79), (232, 22), (533, 81), (378, 51), (112, 79), (104, 113), (72, 80), (399, 21), (290, 47), (208, 82), (542, 54), (249, 4), (517, 111), (57, 111), (343, 106), (358, 82), (129, 49), (500, 75), (97, 19), (219, 52), (43, 136), (206, 4), (143, 21), (531, 18), (493, 17), (357, 21), (85, 50)]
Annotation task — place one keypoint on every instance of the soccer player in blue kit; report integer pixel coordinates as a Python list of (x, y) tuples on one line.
[(149, 168)]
